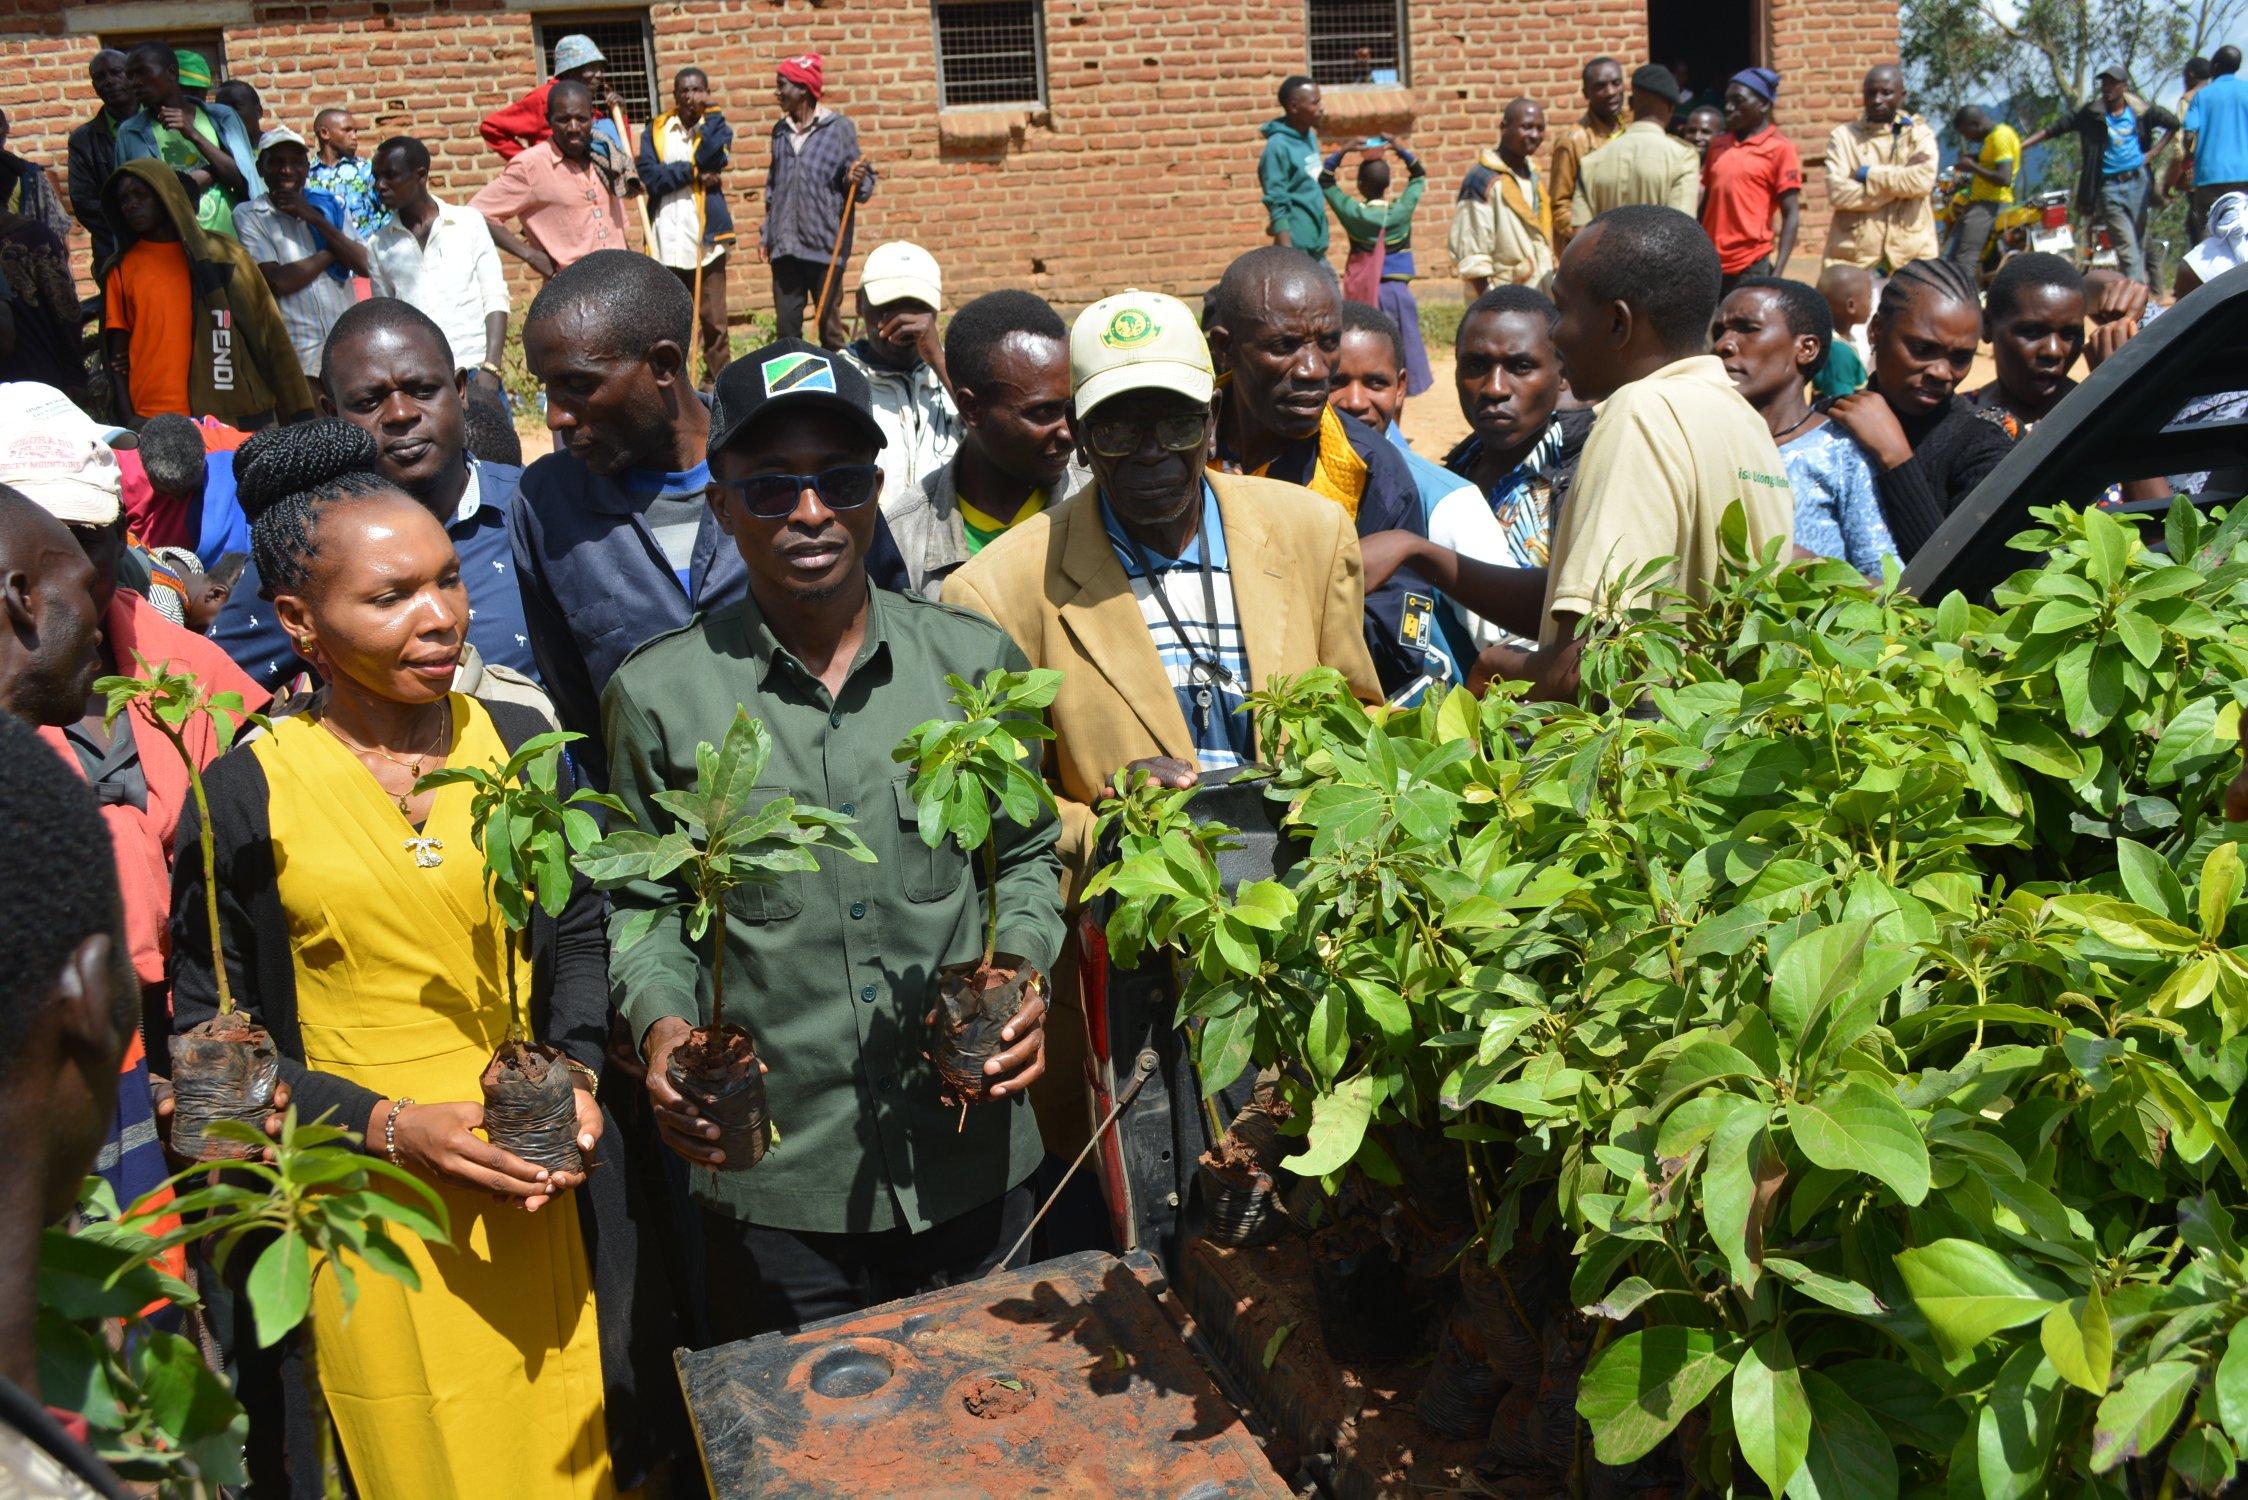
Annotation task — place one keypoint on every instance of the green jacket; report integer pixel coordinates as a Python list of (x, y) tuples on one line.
[(1388, 222), (833, 972), (243, 364), (1288, 174)]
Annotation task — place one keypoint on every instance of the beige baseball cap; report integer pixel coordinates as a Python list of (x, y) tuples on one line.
[(57, 457), (899, 270), (1137, 341)]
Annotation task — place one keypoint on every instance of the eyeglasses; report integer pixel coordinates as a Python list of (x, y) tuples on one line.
[(1120, 437), (769, 497)]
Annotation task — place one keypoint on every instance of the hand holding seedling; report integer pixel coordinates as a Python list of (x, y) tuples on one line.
[(164, 1102), (684, 1128), (967, 772), (440, 1140), (727, 838), (1023, 1062)]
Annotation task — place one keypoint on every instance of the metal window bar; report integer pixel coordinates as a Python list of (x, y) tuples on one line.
[(990, 52), (628, 46), (1356, 41)]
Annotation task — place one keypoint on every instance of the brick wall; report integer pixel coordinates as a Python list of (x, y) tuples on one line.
[(1141, 170)]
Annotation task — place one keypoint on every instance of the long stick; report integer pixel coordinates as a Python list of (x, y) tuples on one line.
[(701, 256), (624, 133), (835, 256)]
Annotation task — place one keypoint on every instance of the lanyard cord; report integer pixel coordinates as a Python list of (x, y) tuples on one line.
[(1211, 662)]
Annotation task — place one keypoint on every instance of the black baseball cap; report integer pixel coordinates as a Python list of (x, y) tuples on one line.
[(791, 375), (1657, 80)]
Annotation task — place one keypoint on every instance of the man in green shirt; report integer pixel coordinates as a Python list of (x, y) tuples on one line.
[(876, 1188), (201, 139)]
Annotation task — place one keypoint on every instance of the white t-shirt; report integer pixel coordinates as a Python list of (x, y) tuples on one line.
[(273, 237)]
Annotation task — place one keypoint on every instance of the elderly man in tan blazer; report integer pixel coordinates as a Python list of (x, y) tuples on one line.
[(1165, 593)]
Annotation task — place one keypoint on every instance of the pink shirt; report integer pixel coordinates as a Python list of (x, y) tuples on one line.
[(566, 209)]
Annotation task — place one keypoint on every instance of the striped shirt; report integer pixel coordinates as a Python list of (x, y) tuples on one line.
[(1220, 728)]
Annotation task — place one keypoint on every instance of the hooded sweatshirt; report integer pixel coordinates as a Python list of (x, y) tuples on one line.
[(243, 365), (1289, 175)]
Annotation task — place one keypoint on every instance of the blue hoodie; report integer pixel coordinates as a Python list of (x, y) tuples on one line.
[(1289, 175)]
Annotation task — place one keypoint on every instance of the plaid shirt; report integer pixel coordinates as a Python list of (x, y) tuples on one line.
[(1223, 735), (805, 186)]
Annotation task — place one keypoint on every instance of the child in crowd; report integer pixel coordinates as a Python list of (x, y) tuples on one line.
[(1849, 297)]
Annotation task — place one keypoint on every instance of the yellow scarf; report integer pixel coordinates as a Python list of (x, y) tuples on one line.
[(1338, 472)]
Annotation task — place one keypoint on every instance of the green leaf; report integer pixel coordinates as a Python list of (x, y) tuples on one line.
[(1850, 1456), (2017, 1426), (1338, 1125), (1835, 1292), (2231, 1385), (1225, 1050), (2203, 1458), (280, 1288), (1968, 1292), (1639, 1387), (2220, 888), (1858, 1128), (1622, 1300), (1771, 1412), (2139, 1413), (2077, 1339), (1272, 1345), (1739, 1160), (1811, 975)]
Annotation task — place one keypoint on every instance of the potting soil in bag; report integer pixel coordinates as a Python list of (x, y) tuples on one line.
[(1239, 1194), (1462, 1390), (973, 1022), (531, 1106), (224, 1069), (725, 1083)]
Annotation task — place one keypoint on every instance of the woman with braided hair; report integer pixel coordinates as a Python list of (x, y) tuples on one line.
[(359, 932), (1929, 447)]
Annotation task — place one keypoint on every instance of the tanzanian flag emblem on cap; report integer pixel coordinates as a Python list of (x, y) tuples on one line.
[(784, 373)]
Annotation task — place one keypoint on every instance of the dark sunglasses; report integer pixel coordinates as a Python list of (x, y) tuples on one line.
[(1119, 437), (769, 497)]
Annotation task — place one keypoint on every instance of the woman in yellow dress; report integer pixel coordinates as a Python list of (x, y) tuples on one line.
[(360, 934)]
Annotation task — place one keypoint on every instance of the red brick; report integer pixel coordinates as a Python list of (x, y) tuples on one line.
[(1142, 168)]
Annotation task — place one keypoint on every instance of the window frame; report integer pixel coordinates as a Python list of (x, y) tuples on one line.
[(1037, 49), (204, 39), (549, 26), (1403, 30)]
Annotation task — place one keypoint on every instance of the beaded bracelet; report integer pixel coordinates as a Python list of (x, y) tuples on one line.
[(390, 1132), (592, 1078)]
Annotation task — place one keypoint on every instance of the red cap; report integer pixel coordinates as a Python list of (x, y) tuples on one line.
[(804, 69)]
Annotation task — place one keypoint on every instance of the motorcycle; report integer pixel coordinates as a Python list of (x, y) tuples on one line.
[(2038, 222)]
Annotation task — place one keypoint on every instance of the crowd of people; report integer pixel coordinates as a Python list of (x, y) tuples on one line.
[(298, 480)]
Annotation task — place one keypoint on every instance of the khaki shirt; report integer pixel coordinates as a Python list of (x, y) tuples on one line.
[(833, 971), (1666, 457), (1888, 220), (1646, 164), (1569, 150)]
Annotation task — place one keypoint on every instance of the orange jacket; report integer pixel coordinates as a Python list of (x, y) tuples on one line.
[(143, 840)]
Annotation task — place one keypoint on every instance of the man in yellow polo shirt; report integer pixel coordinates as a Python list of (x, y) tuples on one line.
[(1997, 157), (1674, 448), (1008, 357)]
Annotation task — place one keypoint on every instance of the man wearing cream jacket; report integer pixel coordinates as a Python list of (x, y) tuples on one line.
[(1166, 594), (1880, 171)]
